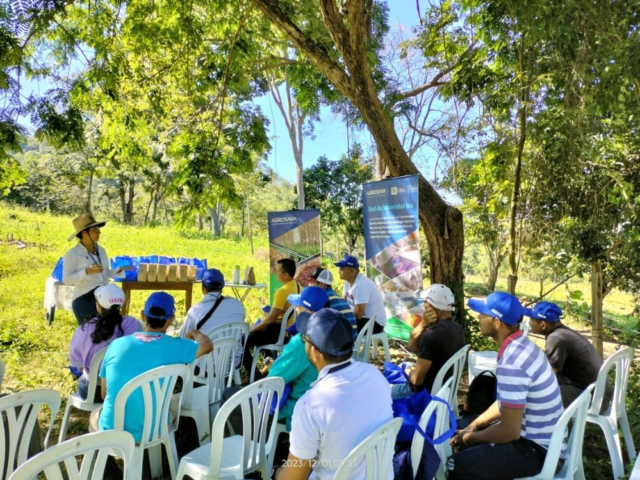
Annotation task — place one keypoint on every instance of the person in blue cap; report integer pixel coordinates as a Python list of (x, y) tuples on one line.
[(347, 402), (510, 439), (362, 294), (129, 356), (214, 309), (573, 358)]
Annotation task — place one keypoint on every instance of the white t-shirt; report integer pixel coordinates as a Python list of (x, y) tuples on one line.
[(76, 261), (342, 408), (230, 310), (363, 290)]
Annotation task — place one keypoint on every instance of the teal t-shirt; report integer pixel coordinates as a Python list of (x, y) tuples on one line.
[(128, 357), (294, 367)]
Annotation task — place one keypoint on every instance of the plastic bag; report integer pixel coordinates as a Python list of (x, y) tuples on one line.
[(57, 270), (125, 261)]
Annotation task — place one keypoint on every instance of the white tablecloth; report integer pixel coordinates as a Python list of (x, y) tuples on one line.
[(57, 294), (480, 361)]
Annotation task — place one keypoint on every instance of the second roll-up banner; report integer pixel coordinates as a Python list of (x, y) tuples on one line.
[(391, 236)]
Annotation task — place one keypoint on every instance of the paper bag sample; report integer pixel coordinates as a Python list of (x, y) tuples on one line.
[(162, 273), (172, 272), (152, 272), (142, 272), (183, 272), (191, 273), (249, 276)]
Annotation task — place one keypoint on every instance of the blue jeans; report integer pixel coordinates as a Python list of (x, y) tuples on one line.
[(401, 390), (497, 461)]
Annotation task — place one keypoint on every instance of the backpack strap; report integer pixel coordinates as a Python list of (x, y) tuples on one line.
[(210, 312)]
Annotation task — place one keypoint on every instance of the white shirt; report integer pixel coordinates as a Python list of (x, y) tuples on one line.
[(341, 409), (75, 263), (363, 290), (229, 310)]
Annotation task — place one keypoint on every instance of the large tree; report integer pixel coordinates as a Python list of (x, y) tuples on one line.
[(336, 41)]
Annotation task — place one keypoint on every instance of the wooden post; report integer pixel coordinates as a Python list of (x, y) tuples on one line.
[(596, 307)]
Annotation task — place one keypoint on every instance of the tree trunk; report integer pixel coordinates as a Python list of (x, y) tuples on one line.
[(596, 307), (493, 276), (158, 195), (200, 223), (129, 219), (249, 226), (89, 189), (242, 224), (442, 224), (215, 222), (123, 200), (146, 215)]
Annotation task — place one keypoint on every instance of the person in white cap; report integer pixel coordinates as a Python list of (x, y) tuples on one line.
[(98, 332), (86, 266), (436, 339)]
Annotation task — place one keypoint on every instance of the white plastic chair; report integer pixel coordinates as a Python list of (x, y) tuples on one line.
[(375, 452), (442, 425), (278, 346), (237, 330), (384, 341), (478, 362), (617, 412), (362, 345), (75, 400), (20, 411), (238, 455), (215, 373), (456, 362), (94, 448), (572, 467), (157, 386)]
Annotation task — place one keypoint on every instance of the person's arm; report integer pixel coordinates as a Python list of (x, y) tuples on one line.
[(358, 310), (103, 388), (204, 343), (288, 365), (272, 317), (70, 273), (417, 374), (506, 430), (294, 469), (556, 352)]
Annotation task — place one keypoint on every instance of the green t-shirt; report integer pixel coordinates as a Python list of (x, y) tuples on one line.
[(294, 367)]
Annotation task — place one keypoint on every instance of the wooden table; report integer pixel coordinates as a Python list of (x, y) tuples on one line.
[(237, 287), (128, 287)]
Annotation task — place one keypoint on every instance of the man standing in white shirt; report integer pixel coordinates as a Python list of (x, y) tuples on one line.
[(348, 402), (214, 309), (362, 294)]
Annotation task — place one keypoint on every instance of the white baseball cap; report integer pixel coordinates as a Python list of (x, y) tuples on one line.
[(109, 295), (438, 296), (323, 276)]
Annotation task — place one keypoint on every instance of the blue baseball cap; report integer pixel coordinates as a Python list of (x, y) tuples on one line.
[(212, 278), (160, 306), (348, 261), (545, 311), (328, 330), (311, 298), (501, 305)]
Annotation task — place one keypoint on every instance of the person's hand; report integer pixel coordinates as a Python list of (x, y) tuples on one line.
[(430, 316), (460, 439), (126, 269), (95, 268)]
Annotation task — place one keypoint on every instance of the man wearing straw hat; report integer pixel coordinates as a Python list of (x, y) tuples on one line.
[(86, 266)]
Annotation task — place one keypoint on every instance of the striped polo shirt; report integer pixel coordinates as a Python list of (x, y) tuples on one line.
[(338, 303), (526, 380)]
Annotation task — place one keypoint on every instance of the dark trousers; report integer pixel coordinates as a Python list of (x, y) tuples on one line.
[(497, 461), (84, 306), (258, 338), (362, 322)]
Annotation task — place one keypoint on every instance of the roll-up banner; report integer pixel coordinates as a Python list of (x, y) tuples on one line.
[(392, 250), (294, 234)]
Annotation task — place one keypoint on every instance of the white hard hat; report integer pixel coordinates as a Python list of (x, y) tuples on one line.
[(109, 295), (438, 296)]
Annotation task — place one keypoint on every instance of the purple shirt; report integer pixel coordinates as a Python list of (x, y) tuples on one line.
[(83, 349)]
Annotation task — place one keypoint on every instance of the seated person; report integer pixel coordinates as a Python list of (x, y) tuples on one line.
[(510, 439), (324, 279), (130, 356), (214, 309), (292, 364), (348, 402), (98, 332), (573, 358), (267, 330), (436, 339)]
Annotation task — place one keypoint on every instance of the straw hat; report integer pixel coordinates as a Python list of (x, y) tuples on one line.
[(83, 222)]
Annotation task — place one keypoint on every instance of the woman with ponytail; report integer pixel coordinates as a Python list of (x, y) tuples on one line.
[(99, 331)]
